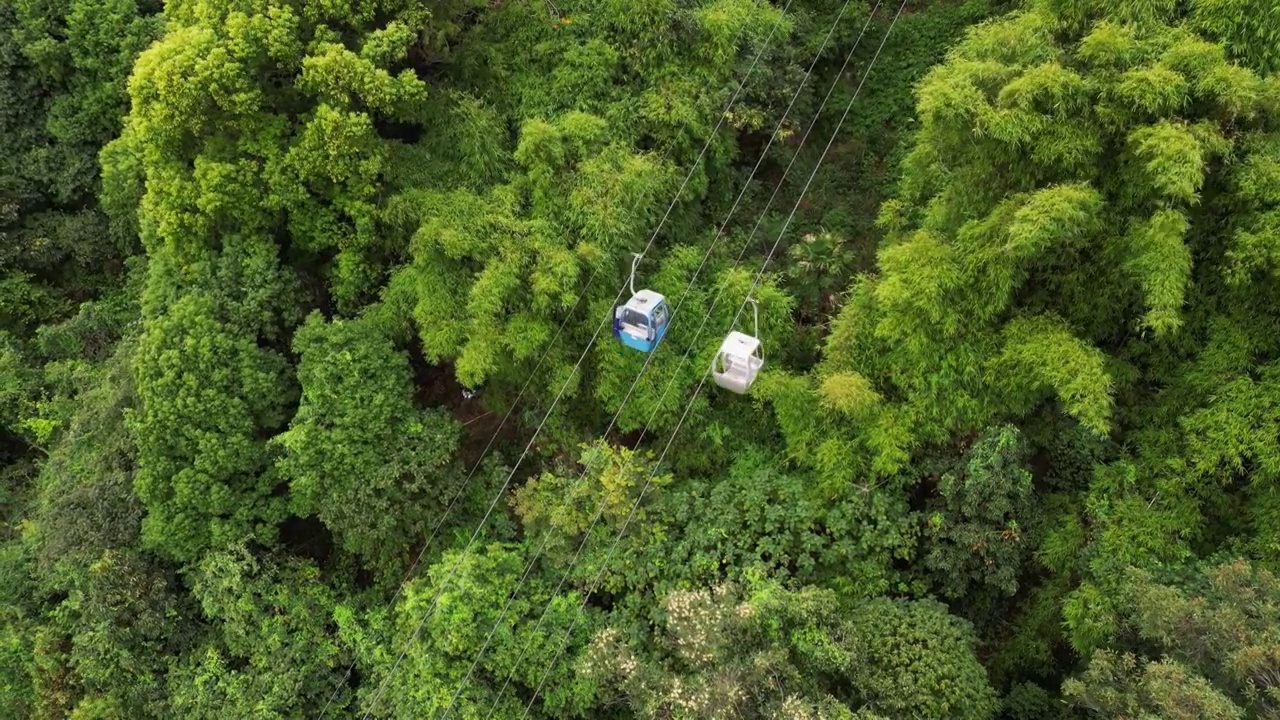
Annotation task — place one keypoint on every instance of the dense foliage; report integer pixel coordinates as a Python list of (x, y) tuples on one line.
[(309, 404)]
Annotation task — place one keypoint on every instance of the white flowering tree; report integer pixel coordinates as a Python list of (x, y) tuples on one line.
[(769, 652)]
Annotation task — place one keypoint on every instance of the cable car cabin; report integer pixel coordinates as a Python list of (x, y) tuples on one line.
[(642, 322), (737, 363)]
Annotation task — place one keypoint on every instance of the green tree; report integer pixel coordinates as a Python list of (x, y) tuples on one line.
[(758, 515), (755, 515), (1205, 645), (232, 155), (566, 510), (272, 654), (123, 617), (84, 502), (110, 616), (64, 65), (1020, 246), (204, 395), (916, 659), (359, 455), (251, 144), (17, 632), (472, 590), (1081, 227), (975, 538)]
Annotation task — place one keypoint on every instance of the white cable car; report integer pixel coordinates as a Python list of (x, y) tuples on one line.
[(739, 359)]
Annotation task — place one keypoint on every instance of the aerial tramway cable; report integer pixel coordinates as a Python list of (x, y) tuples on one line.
[(706, 256), (484, 453), (449, 575), (462, 488), (746, 245), (635, 505)]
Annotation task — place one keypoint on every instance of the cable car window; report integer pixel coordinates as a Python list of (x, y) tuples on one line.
[(631, 317), (660, 314)]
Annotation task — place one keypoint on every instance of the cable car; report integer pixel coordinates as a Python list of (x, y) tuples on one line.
[(642, 322), (739, 359)]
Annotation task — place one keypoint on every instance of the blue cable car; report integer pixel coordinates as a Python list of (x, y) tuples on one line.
[(642, 322)]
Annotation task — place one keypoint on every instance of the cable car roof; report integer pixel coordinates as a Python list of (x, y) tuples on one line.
[(644, 301), (739, 344)]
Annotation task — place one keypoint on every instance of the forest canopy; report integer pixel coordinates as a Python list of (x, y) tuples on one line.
[(316, 399)]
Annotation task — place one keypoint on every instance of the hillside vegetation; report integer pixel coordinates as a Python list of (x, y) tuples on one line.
[(310, 404)]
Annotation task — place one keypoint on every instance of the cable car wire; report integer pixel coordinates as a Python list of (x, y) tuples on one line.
[(786, 172), (519, 395), (675, 199), (485, 452), (631, 514), (462, 488), (542, 546)]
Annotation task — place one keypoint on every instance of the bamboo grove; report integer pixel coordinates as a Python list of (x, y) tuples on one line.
[(305, 409)]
